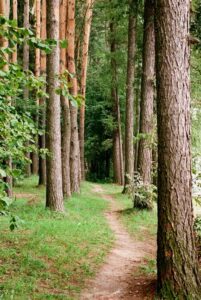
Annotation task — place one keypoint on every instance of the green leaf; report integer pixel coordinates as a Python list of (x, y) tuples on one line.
[(63, 44)]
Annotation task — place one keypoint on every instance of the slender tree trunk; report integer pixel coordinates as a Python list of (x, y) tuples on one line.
[(66, 126), (85, 50), (42, 101), (5, 11), (35, 162), (117, 139), (74, 149), (15, 17), (129, 129), (147, 95), (54, 193), (25, 69), (176, 258), (137, 122), (9, 179)]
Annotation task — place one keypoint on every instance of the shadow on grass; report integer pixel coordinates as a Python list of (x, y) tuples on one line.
[(127, 211), (131, 211)]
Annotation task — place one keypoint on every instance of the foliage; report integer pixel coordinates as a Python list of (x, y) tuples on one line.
[(17, 129), (5, 204), (143, 195)]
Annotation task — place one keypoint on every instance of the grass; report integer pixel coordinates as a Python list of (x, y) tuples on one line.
[(52, 254), (140, 223)]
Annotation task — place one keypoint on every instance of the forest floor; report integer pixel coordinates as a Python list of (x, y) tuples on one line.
[(129, 269), (101, 242)]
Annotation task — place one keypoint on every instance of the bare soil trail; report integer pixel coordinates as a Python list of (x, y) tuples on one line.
[(119, 277)]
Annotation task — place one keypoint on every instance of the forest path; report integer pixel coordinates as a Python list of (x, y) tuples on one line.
[(118, 278)]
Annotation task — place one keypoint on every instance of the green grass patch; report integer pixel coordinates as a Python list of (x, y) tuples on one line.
[(141, 224), (52, 254)]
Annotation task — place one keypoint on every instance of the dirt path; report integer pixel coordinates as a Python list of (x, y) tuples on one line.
[(117, 278)]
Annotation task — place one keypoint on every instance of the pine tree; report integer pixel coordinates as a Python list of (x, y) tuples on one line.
[(66, 126), (74, 147), (42, 101), (85, 49), (147, 95), (54, 193), (129, 130), (176, 257)]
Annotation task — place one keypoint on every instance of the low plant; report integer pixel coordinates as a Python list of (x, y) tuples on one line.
[(143, 195)]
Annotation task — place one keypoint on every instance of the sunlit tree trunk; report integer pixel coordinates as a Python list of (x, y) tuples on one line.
[(147, 95), (35, 163), (84, 62), (74, 149), (25, 69), (117, 139), (42, 101), (54, 193), (66, 126), (129, 129), (176, 258)]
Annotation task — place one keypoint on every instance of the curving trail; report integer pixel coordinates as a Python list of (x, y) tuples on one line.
[(117, 277)]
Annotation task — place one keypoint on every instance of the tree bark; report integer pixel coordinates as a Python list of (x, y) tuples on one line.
[(66, 126), (117, 139), (74, 149), (42, 101), (84, 62), (129, 126), (54, 193), (35, 159), (176, 257), (5, 11), (15, 17), (147, 94), (25, 69)]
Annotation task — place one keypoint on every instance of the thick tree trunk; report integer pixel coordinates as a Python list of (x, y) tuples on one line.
[(176, 258), (25, 69), (74, 149), (129, 129), (66, 128), (85, 49), (147, 95), (42, 101), (35, 159), (54, 193), (117, 139)]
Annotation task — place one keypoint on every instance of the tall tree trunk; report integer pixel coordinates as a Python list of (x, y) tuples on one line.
[(35, 163), (129, 129), (5, 11), (15, 17), (117, 139), (74, 149), (66, 127), (147, 94), (42, 101), (84, 62), (25, 69), (176, 257), (137, 120), (54, 193)]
